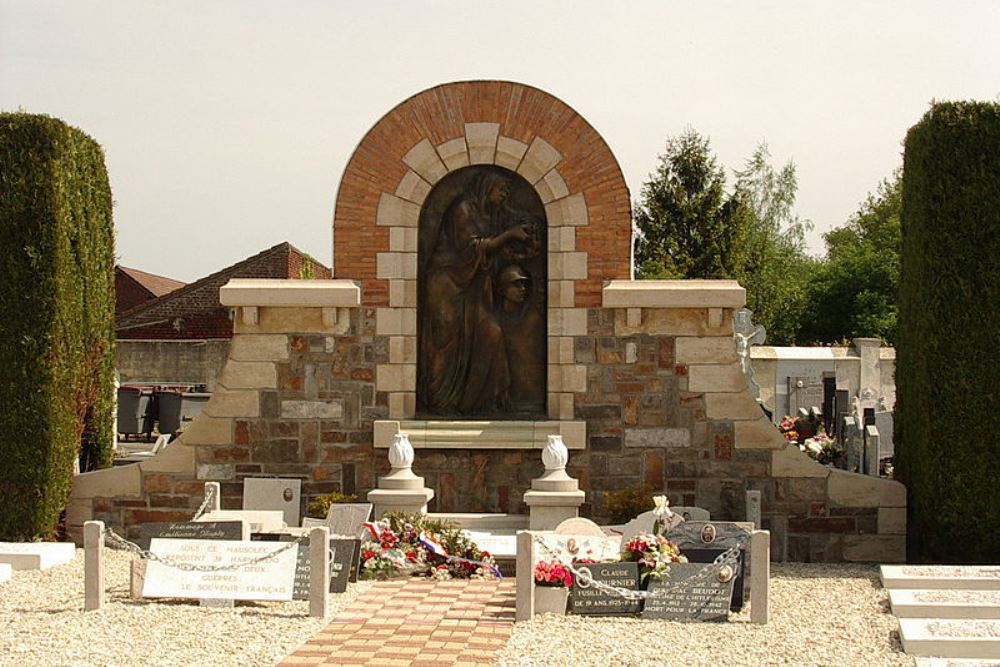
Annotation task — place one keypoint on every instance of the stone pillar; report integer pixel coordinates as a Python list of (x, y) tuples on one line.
[(400, 490), (555, 496), (93, 565), (319, 571), (760, 576), (870, 378)]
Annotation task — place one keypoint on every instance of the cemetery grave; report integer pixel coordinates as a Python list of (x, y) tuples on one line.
[(949, 611), (601, 582)]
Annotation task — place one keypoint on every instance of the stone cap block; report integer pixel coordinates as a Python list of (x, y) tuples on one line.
[(293, 293), (499, 434), (674, 294)]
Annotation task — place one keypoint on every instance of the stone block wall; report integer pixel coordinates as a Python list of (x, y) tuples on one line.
[(665, 404)]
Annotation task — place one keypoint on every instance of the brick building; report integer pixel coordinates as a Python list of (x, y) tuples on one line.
[(182, 335), (134, 287)]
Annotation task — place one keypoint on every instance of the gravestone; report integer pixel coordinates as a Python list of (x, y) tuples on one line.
[(872, 450), (271, 493), (803, 394), (703, 542), (579, 526), (194, 530), (687, 595), (644, 522), (271, 579), (345, 554), (566, 548), (884, 424), (5, 572), (261, 521), (851, 443), (36, 555), (346, 518), (585, 598)]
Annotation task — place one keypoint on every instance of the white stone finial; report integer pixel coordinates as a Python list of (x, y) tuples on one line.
[(401, 452), (555, 456)]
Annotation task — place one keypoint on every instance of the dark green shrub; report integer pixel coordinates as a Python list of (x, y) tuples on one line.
[(320, 505), (626, 504), (948, 364), (56, 318)]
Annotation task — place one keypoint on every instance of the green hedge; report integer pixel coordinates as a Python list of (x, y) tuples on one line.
[(56, 318), (948, 364)]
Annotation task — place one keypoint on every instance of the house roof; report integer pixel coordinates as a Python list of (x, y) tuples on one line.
[(193, 311), (156, 285)]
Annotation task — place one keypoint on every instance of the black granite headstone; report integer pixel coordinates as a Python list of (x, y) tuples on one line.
[(700, 539), (677, 598), (344, 555), (587, 599), (196, 530)]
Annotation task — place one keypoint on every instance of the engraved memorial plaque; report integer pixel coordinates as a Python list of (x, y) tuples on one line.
[(588, 599), (685, 595)]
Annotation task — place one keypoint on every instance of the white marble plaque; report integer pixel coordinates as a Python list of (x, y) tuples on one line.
[(5, 572), (267, 580), (567, 548)]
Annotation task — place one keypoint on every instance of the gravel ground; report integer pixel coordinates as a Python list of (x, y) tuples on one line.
[(42, 623), (830, 615)]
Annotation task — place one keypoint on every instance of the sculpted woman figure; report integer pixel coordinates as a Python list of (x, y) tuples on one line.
[(462, 352)]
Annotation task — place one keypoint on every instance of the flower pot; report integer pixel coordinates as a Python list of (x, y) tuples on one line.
[(551, 599)]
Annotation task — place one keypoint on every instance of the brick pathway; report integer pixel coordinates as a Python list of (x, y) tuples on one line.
[(416, 622)]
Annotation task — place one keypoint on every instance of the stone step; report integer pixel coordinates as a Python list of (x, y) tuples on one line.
[(5, 572), (36, 555), (951, 638), (966, 577), (956, 662), (945, 603)]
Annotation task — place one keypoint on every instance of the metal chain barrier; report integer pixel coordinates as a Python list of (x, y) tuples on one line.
[(117, 541), (201, 508), (728, 558)]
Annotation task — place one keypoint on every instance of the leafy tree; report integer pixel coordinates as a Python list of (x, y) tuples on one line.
[(688, 227), (772, 263), (854, 292)]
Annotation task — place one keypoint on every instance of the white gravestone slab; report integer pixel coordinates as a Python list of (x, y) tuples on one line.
[(950, 638), (944, 603), (499, 543), (269, 493), (36, 555), (968, 577), (266, 580), (261, 521), (5, 572)]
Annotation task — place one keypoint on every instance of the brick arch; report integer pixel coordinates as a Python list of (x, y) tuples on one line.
[(482, 122)]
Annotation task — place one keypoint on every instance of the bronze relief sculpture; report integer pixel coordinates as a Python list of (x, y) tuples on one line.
[(481, 285)]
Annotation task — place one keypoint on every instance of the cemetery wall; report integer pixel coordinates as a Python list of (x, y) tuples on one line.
[(775, 367), (187, 361), (644, 374)]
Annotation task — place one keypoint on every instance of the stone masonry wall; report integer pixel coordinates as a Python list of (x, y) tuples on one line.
[(666, 405)]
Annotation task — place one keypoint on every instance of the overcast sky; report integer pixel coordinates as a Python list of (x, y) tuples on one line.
[(227, 124)]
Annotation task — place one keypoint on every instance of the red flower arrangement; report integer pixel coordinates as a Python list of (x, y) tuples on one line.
[(552, 573)]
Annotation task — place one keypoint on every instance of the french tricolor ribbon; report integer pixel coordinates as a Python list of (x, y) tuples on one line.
[(373, 528), (437, 549)]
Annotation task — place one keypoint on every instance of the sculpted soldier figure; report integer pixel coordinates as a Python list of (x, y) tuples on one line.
[(462, 350)]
